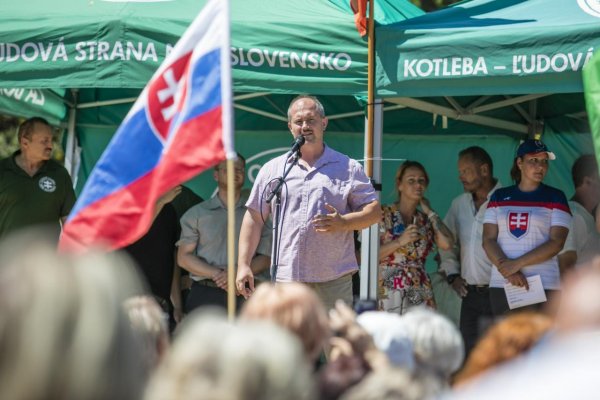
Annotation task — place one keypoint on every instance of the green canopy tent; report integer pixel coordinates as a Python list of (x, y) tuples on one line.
[(33, 102), (512, 66), (489, 47)]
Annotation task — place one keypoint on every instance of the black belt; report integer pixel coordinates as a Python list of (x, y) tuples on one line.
[(205, 282), (478, 288)]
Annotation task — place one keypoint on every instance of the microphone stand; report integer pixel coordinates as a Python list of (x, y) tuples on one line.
[(276, 192)]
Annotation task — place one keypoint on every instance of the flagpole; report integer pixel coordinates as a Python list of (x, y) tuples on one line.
[(227, 120), (370, 89), (230, 240)]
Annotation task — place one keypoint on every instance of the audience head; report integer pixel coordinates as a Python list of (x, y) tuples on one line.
[(507, 339), (409, 174), (213, 359), (578, 307), (390, 336), (150, 325), (340, 374), (437, 343), (63, 332), (295, 307), (397, 384)]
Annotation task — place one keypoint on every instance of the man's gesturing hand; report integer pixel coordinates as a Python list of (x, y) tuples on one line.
[(244, 281), (329, 222)]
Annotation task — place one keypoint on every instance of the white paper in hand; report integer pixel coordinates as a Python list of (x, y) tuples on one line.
[(521, 297)]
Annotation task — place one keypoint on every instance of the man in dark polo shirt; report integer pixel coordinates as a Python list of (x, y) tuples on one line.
[(34, 189)]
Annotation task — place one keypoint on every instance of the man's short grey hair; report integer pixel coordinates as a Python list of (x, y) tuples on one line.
[(318, 105), (27, 128)]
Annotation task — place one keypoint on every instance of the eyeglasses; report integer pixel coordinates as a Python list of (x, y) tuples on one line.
[(537, 161)]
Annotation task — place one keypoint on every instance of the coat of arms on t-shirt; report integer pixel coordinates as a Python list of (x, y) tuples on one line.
[(518, 223), (47, 184)]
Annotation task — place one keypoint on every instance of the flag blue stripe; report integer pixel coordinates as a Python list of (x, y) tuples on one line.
[(132, 153)]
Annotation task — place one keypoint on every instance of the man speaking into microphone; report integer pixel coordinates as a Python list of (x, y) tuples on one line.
[(325, 197)]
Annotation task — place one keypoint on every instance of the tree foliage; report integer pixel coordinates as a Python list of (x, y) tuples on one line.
[(8, 135)]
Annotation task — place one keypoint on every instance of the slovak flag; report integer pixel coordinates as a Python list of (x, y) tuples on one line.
[(180, 126)]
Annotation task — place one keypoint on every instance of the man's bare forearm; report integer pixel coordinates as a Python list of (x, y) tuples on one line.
[(250, 234), (367, 216), (188, 260)]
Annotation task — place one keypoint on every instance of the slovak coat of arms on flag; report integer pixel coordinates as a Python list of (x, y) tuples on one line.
[(518, 223)]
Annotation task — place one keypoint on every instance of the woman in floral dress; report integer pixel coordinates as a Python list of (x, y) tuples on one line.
[(407, 235)]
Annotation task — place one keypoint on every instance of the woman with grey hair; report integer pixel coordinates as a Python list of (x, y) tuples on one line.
[(150, 325), (212, 358), (437, 343)]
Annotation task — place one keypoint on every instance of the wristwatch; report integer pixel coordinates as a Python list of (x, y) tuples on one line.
[(450, 278)]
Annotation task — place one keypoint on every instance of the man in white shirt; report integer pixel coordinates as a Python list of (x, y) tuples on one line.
[(583, 204), (467, 267)]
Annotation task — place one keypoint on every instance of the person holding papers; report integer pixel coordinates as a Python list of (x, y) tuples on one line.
[(525, 227)]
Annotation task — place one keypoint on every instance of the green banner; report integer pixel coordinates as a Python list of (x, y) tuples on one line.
[(591, 83), (33, 102), (484, 47), (283, 46)]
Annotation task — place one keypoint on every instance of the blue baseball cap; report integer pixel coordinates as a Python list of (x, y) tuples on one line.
[(532, 146)]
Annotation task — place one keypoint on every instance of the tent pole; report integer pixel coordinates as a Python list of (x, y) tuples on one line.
[(370, 236), (70, 161)]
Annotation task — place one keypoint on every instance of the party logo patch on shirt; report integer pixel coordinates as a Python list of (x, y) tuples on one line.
[(518, 223), (47, 184)]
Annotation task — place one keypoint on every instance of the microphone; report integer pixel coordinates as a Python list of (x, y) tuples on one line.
[(296, 146)]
